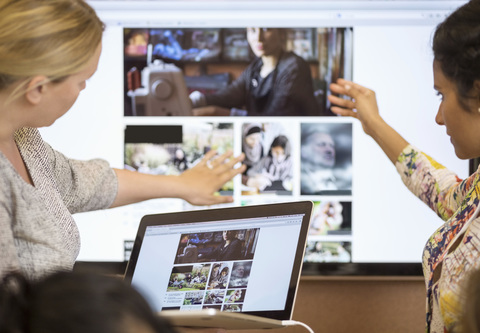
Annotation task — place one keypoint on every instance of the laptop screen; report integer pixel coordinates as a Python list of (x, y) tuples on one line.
[(229, 262)]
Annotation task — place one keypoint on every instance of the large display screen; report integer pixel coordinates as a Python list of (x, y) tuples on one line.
[(136, 114)]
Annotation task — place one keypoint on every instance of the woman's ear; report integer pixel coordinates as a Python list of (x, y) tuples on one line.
[(36, 89), (476, 87)]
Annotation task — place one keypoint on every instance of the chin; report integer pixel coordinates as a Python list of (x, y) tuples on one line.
[(464, 155)]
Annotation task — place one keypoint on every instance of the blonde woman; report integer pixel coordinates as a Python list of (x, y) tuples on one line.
[(48, 49)]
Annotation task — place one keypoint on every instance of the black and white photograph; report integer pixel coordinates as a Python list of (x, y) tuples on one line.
[(326, 159)]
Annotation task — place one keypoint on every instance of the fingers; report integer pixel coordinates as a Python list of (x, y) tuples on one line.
[(344, 112), (221, 199), (350, 88), (345, 103), (204, 111), (222, 158), (341, 106), (224, 162), (206, 160), (338, 89)]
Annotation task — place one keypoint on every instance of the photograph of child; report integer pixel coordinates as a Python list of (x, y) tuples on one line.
[(219, 276), (268, 151)]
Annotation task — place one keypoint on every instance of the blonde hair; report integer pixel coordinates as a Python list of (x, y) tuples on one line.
[(54, 38)]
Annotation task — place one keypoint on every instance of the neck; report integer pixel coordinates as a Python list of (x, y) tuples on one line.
[(269, 63), (8, 146), (10, 119), (9, 149), (10, 122), (7, 132)]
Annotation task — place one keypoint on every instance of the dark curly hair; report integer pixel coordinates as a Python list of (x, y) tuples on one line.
[(456, 46)]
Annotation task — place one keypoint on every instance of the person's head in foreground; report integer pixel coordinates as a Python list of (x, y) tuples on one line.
[(75, 303)]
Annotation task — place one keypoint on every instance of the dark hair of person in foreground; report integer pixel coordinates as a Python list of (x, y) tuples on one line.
[(67, 302)]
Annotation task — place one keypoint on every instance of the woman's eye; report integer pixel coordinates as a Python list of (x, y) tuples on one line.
[(439, 95)]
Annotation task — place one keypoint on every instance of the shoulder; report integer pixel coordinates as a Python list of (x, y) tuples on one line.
[(32, 146), (292, 61), (28, 137)]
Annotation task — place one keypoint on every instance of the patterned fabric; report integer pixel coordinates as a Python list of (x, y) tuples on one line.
[(455, 201), (38, 233)]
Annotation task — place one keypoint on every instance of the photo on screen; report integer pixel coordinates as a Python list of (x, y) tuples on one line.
[(193, 298), (223, 69), (328, 252), (268, 157), (326, 158), (240, 274), (226, 245), (172, 149), (214, 296), (331, 218), (190, 277), (235, 295), (232, 307), (219, 276)]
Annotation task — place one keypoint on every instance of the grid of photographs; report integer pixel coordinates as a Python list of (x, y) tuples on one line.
[(287, 158), (211, 270)]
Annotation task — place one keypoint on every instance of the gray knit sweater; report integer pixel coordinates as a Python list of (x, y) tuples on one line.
[(38, 234)]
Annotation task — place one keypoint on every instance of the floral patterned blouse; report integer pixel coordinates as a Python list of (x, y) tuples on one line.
[(446, 261)]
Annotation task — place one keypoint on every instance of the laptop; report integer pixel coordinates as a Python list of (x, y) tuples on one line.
[(230, 268)]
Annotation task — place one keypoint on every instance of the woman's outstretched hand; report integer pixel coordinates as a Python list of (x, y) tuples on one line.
[(202, 182), (361, 103), (198, 185)]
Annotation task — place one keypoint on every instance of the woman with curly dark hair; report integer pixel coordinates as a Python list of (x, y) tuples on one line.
[(453, 251)]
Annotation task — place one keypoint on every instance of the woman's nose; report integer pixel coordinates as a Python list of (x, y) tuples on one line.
[(439, 117)]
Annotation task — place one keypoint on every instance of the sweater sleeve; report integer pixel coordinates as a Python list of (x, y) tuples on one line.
[(83, 185), (441, 189), (232, 96), (8, 249)]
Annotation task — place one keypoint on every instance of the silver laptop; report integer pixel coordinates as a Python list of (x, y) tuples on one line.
[(232, 268)]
